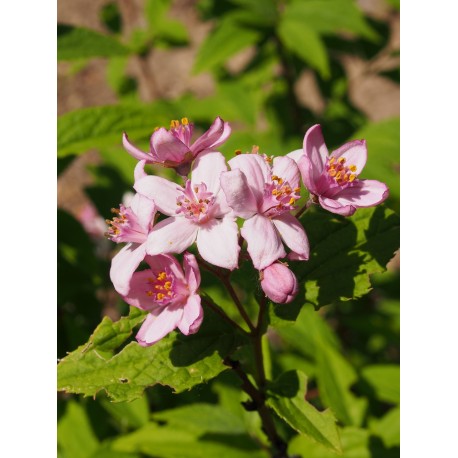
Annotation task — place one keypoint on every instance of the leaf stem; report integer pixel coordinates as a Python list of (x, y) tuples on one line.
[(259, 404), (306, 206), (222, 314)]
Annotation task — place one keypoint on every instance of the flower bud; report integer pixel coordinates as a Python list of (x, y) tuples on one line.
[(279, 283)]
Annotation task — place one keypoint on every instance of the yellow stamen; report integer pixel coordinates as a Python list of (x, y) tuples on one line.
[(274, 192), (352, 177), (237, 152), (168, 285), (160, 296), (161, 276), (149, 293), (184, 121), (332, 172), (352, 168), (280, 181), (274, 178), (297, 189), (156, 129), (292, 201), (341, 160), (339, 175), (159, 287), (196, 189), (332, 160)]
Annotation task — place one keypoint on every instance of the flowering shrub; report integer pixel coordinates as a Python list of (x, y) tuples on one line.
[(202, 211)]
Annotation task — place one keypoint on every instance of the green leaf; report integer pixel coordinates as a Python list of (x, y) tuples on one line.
[(388, 427), (223, 42), (383, 147), (164, 442), (161, 27), (335, 377), (133, 414), (196, 418), (95, 127), (287, 398), (302, 40), (79, 43), (178, 361), (330, 17), (75, 437), (355, 444), (385, 380), (345, 252)]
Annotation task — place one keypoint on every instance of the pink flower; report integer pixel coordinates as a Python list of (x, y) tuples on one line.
[(172, 148), (333, 179), (279, 283), (265, 197), (169, 295), (132, 225), (198, 212)]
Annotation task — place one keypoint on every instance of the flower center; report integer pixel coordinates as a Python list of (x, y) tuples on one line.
[(124, 227), (196, 201), (161, 287), (182, 131), (340, 172), (280, 196)]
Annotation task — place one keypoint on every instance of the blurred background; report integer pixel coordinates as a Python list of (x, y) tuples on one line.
[(272, 69)]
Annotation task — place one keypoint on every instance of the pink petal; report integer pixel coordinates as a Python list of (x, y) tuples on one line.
[(355, 153), (137, 295), (124, 264), (217, 242), (296, 154), (363, 193), (134, 151), (264, 244), (144, 210), (163, 192), (216, 135), (220, 206), (335, 207), (306, 169), (192, 316), (172, 235), (293, 234), (166, 147), (315, 150), (191, 272), (238, 194), (286, 168), (207, 169), (139, 171), (256, 171), (161, 262), (154, 328)]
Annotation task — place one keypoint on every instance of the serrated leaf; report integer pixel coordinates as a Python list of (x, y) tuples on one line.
[(74, 433), (355, 444), (165, 442), (383, 146), (223, 42), (345, 252), (79, 43), (335, 377), (330, 17), (385, 380), (94, 127), (178, 361), (197, 417), (388, 427), (305, 42), (287, 399)]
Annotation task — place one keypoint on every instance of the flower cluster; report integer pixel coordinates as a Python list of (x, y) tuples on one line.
[(261, 191)]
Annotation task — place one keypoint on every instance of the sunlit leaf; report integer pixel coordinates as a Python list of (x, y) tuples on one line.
[(385, 380), (287, 398), (223, 42), (177, 361), (80, 43)]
